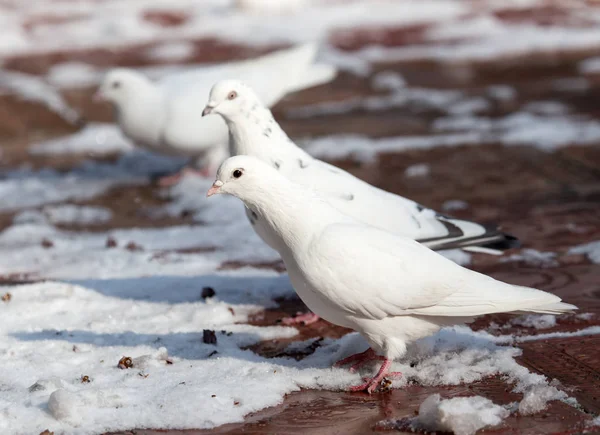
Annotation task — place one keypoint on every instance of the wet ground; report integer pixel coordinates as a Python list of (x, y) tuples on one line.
[(550, 200)]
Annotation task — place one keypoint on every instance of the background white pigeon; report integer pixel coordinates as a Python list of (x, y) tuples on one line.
[(165, 116), (255, 132), (389, 288)]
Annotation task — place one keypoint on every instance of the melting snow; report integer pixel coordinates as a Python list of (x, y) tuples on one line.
[(460, 415)]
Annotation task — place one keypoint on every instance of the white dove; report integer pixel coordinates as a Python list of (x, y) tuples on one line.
[(389, 288), (254, 132), (162, 116)]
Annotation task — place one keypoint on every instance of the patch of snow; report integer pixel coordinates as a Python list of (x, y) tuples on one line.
[(417, 170), (537, 321), (172, 51), (590, 66), (33, 88), (388, 81), (74, 75), (591, 250), (95, 138), (534, 258), (366, 149), (24, 188), (550, 108), (537, 398), (77, 214), (454, 204), (502, 92), (460, 415)]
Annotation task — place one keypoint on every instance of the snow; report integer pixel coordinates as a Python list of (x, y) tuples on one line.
[(417, 170), (79, 215), (536, 321), (73, 75), (32, 88), (89, 325), (537, 398), (460, 415), (96, 138), (534, 258), (172, 51), (590, 66), (591, 250), (454, 204), (388, 81)]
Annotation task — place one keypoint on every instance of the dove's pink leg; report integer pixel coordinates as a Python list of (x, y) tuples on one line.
[(171, 180), (359, 359), (301, 319), (371, 384)]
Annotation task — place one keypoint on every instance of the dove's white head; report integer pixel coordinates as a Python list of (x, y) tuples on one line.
[(121, 85), (229, 98), (244, 177)]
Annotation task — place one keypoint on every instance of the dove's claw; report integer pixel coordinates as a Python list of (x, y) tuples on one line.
[(301, 319), (371, 384)]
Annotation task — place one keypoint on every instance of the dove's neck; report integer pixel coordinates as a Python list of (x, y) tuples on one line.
[(255, 132), (295, 214)]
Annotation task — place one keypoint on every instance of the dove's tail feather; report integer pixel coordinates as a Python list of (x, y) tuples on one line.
[(316, 75), (555, 308), (471, 236)]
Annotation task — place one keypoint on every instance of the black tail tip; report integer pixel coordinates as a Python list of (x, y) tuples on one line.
[(508, 242)]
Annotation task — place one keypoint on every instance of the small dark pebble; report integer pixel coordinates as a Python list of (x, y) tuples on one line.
[(111, 243), (6, 297), (207, 292), (169, 361), (125, 363), (46, 432), (213, 395), (236, 403), (209, 336), (75, 348), (214, 352), (132, 246), (46, 243), (85, 379)]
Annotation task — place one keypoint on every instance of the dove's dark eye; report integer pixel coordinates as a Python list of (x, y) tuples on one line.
[(237, 173), (232, 95), (116, 85)]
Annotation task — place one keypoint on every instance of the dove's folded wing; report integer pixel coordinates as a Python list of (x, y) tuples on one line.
[(379, 275)]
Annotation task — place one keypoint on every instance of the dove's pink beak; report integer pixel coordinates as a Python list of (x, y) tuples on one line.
[(207, 110), (216, 188)]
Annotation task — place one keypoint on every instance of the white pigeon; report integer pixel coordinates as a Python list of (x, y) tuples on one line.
[(389, 288), (163, 116), (254, 132)]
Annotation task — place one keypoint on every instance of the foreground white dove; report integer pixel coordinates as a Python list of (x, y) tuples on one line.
[(389, 288), (254, 132), (162, 116)]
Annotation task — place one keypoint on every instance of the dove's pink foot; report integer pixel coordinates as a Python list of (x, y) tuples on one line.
[(371, 384), (301, 319), (171, 180)]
